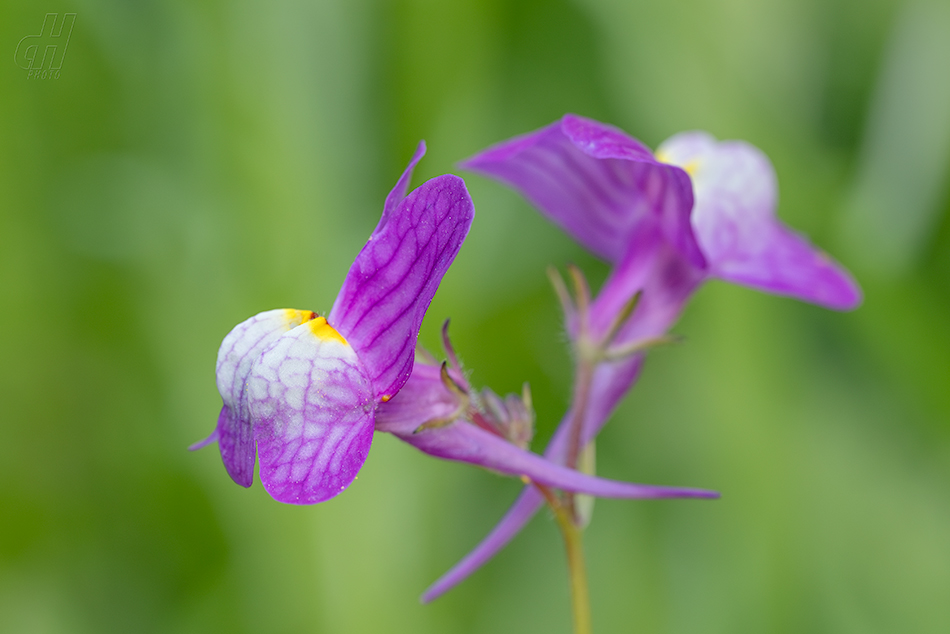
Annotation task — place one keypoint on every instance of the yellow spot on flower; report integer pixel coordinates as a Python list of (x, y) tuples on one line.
[(296, 317), (322, 330), (385, 398), (690, 166)]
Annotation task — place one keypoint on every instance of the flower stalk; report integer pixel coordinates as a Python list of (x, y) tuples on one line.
[(574, 545), (589, 353), (573, 534), (566, 512)]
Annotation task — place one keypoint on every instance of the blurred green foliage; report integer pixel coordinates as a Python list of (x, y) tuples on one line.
[(198, 162)]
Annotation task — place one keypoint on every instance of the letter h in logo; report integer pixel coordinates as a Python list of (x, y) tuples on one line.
[(56, 40)]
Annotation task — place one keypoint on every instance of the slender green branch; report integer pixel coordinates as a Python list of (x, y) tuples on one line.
[(574, 546)]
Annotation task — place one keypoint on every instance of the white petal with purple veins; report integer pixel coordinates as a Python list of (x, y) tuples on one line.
[(238, 352), (311, 440)]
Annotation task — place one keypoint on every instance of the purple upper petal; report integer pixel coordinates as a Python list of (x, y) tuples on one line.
[(603, 141), (391, 283), (597, 183), (398, 192), (238, 352), (734, 220), (312, 404)]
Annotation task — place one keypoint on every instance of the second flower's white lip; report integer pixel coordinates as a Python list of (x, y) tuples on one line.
[(690, 166)]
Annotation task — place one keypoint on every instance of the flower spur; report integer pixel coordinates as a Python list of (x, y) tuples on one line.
[(438, 413)]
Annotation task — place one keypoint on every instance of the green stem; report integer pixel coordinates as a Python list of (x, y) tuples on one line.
[(574, 545), (580, 599)]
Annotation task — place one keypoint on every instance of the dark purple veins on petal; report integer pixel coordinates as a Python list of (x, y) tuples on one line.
[(597, 183), (312, 406), (394, 278)]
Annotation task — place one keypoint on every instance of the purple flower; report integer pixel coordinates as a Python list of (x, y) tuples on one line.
[(305, 389), (667, 222)]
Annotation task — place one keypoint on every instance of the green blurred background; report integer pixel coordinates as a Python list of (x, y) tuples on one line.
[(199, 162)]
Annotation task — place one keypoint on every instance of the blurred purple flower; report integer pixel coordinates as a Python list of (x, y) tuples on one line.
[(637, 210), (305, 389)]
